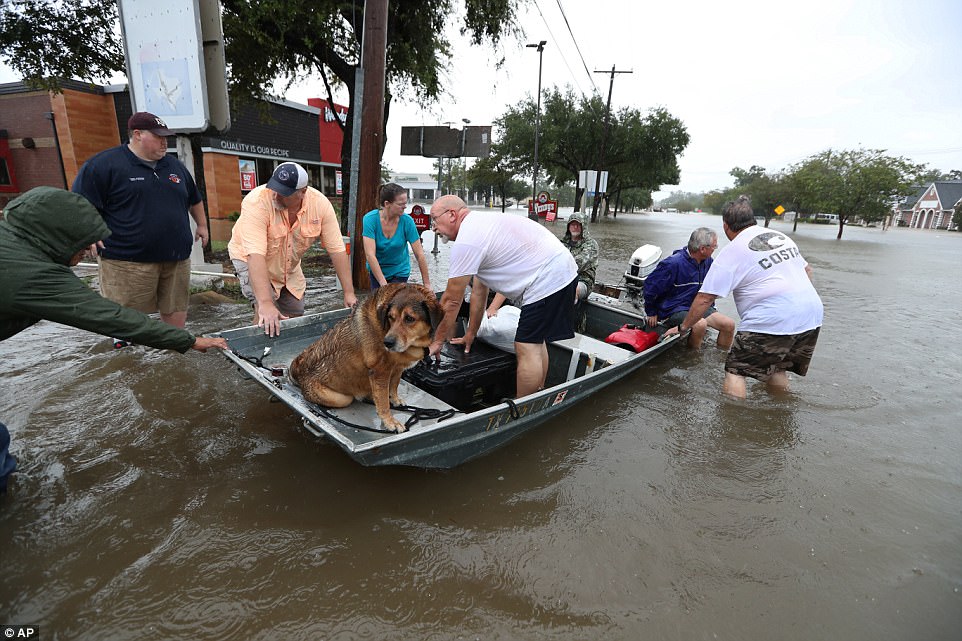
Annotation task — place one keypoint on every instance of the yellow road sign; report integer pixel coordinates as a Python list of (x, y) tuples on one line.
[(779, 210)]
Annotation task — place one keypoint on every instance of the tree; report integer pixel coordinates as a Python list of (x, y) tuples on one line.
[(745, 177), (860, 183), (642, 149), (494, 173), (635, 198), (265, 42), (714, 201)]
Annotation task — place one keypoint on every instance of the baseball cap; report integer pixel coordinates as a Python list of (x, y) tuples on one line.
[(146, 121), (288, 178)]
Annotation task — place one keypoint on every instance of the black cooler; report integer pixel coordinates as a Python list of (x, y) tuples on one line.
[(467, 381)]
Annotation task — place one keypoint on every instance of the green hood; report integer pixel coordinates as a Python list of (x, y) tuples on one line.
[(576, 217), (59, 223)]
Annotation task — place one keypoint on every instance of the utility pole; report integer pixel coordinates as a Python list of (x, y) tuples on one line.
[(373, 53), (604, 143), (537, 126)]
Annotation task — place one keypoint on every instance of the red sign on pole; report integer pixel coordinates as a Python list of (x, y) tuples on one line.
[(421, 220), (544, 207)]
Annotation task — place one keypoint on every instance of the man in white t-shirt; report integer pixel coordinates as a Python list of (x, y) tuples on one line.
[(780, 311), (518, 258)]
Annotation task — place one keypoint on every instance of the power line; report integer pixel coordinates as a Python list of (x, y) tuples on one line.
[(560, 49), (577, 48)]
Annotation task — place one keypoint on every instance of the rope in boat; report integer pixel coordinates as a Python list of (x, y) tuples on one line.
[(417, 414)]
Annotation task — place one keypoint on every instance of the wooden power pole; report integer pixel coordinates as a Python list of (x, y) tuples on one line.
[(371, 136), (604, 144)]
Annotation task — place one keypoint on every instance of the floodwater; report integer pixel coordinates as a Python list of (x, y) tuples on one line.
[(164, 497)]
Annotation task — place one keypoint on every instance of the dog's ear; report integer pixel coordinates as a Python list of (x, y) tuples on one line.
[(386, 300), (434, 311), (383, 312)]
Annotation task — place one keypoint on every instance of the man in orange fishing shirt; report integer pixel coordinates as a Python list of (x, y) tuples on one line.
[(279, 221)]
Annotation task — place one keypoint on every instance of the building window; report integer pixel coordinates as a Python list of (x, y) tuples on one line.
[(8, 181)]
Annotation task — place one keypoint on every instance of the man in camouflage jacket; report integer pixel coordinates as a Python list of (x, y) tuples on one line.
[(584, 248)]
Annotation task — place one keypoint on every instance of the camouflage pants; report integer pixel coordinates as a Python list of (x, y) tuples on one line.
[(759, 356)]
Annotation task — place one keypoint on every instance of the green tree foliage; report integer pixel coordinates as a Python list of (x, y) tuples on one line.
[(855, 184), (633, 199), (683, 201), (767, 191), (47, 40), (745, 177), (642, 150), (495, 173), (714, 200)]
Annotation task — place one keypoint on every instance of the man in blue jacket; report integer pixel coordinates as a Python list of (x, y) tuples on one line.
[(672, 286)]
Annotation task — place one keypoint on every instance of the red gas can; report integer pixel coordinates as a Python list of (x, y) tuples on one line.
[(632, 337)]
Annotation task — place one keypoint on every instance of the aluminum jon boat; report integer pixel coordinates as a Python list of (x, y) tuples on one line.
[(462, 411)]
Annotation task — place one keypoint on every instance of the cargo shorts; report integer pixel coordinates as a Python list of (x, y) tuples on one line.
[(287, 303), (759, 356)]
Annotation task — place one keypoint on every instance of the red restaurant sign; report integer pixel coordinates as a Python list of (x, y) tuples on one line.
[(544, 207)]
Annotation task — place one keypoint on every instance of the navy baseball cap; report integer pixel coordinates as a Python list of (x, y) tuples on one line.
[(288, 178)]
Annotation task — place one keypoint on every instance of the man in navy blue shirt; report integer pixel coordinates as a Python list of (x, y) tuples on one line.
[(144, 196), (672, 286)]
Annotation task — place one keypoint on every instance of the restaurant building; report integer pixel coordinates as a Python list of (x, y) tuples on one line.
[(46, 137)]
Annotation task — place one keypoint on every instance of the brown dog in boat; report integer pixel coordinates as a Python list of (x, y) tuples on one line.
[(363, 355)]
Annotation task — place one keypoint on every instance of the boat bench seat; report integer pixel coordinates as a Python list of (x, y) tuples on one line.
[(593, 349)]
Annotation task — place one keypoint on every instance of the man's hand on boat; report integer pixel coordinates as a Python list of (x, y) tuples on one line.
[(204, 343), (467, 340), (269, 317), (671, 331)]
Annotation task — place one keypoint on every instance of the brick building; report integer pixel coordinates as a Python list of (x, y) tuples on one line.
[(932, 207), (46, 137)]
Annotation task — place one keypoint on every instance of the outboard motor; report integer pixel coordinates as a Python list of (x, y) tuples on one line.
[(641, 263)]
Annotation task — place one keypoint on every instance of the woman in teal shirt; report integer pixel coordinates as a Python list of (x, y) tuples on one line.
[(387, 233)]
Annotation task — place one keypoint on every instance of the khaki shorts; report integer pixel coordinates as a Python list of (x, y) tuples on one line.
[(146, 287), (761, 355), (286, 302)]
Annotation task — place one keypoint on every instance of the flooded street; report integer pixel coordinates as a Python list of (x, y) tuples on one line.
[(162, 496)]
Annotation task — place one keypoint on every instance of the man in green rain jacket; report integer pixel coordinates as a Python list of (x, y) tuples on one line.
[(43, 234)]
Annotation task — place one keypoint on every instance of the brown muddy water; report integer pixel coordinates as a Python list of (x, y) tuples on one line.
[(164, 497)]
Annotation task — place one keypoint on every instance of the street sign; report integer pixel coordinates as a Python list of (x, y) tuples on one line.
[(587, 179), (421, 220), (444, 142), (165, 62), (779, 210)]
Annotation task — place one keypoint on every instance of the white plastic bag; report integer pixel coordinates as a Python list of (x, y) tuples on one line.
[(500, 330)]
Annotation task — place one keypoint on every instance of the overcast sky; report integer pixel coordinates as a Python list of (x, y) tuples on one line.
[(756, 83)]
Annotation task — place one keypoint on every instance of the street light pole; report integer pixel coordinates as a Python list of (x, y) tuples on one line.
[(537, 126)]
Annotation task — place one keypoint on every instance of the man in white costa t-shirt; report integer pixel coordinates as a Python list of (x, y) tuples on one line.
[(518, 258), (780, 311)]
